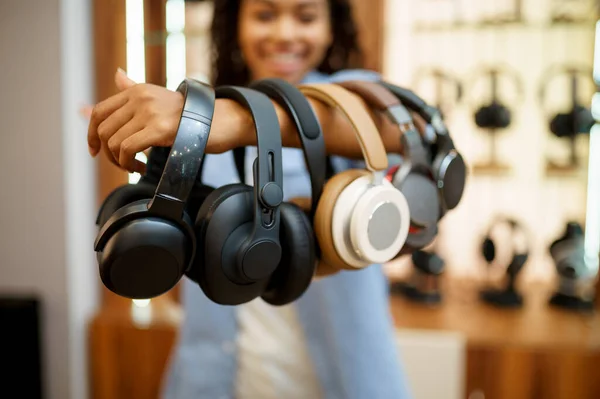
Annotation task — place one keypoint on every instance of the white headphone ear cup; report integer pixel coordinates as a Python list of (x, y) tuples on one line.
[(341, 219), (379, 223)]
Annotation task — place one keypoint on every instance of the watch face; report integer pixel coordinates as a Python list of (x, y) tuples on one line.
[(452, 178)]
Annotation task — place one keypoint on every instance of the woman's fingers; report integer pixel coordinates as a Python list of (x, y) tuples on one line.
[(133, 144), (128, 129), (114, 123), (100, 112)]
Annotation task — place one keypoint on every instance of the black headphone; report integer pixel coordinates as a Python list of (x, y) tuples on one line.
[(568, 252), (146, 241), (496, 115), (578, 119), (413, 177), (448, 165), (238, 226), (300, 248), (488, 246)]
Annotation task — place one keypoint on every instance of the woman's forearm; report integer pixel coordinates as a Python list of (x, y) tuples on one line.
[(236, 123)]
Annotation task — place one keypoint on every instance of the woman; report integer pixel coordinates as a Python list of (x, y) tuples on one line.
[(337, 341)]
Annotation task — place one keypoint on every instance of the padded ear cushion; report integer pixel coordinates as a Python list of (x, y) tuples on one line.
[(421, 193), (322, 269), (224, 209), (324, 213), (196, 199), (493, 116), (297, 266), (122, 196)]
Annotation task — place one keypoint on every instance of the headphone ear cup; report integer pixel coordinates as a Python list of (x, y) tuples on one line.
[(197, 197), (493, 116), (224, 210), (323, 268), (323, 223), (122, 196), (146, 256), (297, 266), (421, 193), (585, 119), (482, 117), (488, 249), (561, 125)]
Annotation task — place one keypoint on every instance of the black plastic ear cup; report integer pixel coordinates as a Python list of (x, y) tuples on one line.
[(122, 196), (225, 215), (580, 120), (428, 263), (488, 249), (164, 256), (423, 202), (143, 271), (298, 262), (450, 172), (196, 199), (493, 116)]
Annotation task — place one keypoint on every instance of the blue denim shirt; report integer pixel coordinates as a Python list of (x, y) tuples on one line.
[(346, 320)]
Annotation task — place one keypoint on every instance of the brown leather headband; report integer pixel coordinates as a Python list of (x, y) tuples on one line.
[(382, 99), (375, 95), (353, 108)]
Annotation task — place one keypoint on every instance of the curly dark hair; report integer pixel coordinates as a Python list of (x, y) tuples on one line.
[(228, 67)]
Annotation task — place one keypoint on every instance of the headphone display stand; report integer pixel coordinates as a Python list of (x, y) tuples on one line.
[(508, 298), (493, 166), (575, 289), (423, 285), (415, 294), (569, 125), (495, 117), (568, 302)]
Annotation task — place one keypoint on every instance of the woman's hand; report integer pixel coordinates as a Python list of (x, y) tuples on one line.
[(138, 117)]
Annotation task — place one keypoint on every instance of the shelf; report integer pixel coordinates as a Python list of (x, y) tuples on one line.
[(500, 26), (536, 325)]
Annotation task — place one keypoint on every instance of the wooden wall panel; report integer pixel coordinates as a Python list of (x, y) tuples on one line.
[(499, 372), (155, 23), (369, 16), (130, 350), (110, 53)]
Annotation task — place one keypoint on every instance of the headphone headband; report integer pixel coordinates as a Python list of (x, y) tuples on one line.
[(382, 99), (515, 227), (267, 169), (430, 114), (372, 147), (448, 163), (497, 70), (309, 130), (561, 69), (441, 75), (187, 152)]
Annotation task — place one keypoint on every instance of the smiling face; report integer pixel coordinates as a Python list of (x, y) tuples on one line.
[(283, 38)]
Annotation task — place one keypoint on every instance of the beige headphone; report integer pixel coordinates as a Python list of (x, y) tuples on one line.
[(361, 218)]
